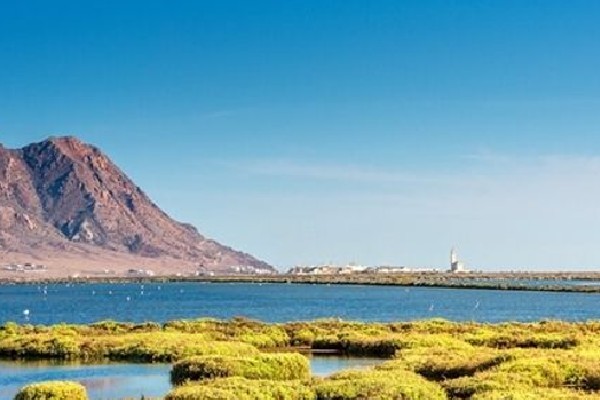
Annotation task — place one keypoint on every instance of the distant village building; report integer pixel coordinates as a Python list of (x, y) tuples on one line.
[(203, 271), (456, 266), (249, 270), (328, 269), (352, 269), (140, 272), (25, 268)]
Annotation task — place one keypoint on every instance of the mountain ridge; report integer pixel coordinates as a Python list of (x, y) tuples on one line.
[(62, 194)]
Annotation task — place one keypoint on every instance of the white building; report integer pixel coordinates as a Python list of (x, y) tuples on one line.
[(456, 266)]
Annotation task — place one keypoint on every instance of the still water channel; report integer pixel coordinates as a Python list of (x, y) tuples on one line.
[(126, 380)]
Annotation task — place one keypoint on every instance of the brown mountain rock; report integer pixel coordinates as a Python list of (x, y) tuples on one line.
[(63, 199)]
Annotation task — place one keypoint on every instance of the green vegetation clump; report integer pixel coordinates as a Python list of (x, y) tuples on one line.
[(111, 327), (442, 363), (169, 347), (527, 393), (552, 372), (52, 390), (508, 340), (243, 389), (377, 385), (239, 329), (140, 347), (286, 366)]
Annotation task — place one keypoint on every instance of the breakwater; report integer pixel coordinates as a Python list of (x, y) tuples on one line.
[(584, 282)]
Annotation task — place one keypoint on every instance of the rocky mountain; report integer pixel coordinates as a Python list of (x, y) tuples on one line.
[(65, 199)]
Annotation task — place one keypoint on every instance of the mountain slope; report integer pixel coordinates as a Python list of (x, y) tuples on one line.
[(66, 196)]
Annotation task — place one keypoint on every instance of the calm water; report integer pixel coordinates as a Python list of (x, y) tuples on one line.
[(532, 282), (116, 381), (86, 303)]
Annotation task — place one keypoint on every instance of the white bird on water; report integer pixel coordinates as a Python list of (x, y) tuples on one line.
[(431, 307), (26, 312)]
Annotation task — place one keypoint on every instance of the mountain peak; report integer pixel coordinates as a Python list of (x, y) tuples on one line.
[(68, 139), (71, 193), (70, 146)]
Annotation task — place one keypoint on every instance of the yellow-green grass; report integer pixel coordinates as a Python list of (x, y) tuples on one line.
[(146, 346), (377, 385), (442, 363), (286, 366), (466, 359), (243, 389), (527, 370), (527, 393), (239, 329), (52, 390), (352, 338)]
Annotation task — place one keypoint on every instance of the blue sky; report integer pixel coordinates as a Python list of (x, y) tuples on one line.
[(314, 131)]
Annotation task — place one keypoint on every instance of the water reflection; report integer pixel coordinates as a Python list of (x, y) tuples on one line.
[(103, 381), (124, 380), (325, 365)]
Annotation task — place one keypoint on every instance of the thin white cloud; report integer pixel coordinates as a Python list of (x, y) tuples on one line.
[(478, 173), (350, 172)]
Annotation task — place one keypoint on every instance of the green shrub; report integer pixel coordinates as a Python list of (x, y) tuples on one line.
[(52, 390), (243, 389), (238, 329), (168, 347), (441, 363), (531, 371), (287, 366), (377, 385), (40, 346), (466, 387), (527, 393), (508, 340)]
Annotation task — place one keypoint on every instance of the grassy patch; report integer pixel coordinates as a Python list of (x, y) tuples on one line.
[(54, 390), (442, 363), (243, 389), (289, 366), (377, 385)]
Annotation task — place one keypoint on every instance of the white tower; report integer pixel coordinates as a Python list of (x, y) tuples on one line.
[(455, 265), (453, 257)]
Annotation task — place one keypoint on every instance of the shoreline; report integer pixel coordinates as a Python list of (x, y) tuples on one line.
[(522, 281)]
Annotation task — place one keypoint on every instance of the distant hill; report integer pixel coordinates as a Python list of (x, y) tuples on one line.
[(66, 204)]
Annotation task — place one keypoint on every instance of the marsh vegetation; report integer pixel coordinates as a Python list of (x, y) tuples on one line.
[(432, 359)]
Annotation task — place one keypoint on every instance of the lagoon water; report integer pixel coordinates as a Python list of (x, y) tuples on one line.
[(127, 380), (102, 381), (86, 303)]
